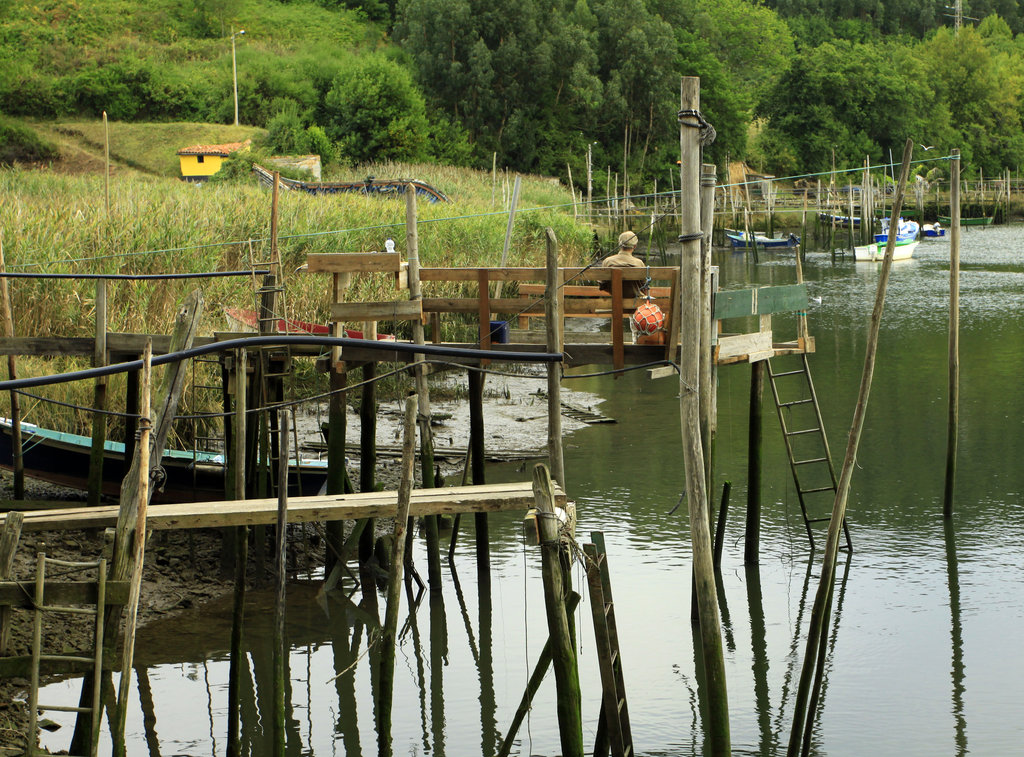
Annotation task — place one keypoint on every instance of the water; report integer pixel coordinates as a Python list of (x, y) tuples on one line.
[(922, 661)]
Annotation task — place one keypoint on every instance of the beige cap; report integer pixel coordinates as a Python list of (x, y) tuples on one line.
[(627, 240)]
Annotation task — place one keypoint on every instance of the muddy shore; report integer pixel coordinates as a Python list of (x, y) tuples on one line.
[(183, 568)]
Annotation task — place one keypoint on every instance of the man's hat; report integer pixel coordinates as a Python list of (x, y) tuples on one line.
[(627, 240)]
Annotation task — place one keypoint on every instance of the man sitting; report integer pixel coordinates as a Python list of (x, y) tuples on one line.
[(624, 258)]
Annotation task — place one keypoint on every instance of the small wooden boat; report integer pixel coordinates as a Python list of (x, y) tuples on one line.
[(978, 221), (63, 459), (875, 252), (741, 240), (251, 320), (371, 185), (933, 231)]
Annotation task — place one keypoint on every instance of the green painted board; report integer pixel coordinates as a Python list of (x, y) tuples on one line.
[(734, 303), (781, 299)]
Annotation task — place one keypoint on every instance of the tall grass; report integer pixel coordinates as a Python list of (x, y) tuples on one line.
[(57, 224)]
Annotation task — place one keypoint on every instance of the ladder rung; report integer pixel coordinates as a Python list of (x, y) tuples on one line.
[(818, 520), (820, 489), (608, 608), (75, 610), (62, 708), (65, 658), (803, 431), (812, 460), (615, 656), (621, 704), (795, 402), (786, 373)]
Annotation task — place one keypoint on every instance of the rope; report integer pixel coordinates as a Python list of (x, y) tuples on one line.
[(707, 131)]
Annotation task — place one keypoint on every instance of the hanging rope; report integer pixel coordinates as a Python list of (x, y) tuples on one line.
[(707, 131)]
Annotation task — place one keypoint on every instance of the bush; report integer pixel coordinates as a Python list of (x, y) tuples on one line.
[(20, 143)]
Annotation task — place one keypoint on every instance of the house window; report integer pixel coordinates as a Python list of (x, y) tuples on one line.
[(199, 158)]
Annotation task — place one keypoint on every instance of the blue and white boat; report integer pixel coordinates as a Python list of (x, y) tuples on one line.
[(933, 230), (742, 240), (906, 231)]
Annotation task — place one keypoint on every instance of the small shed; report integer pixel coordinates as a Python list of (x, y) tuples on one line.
[(200, 162)]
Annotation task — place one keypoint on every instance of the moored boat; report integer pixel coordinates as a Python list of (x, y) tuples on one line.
[(875, 251), (933, 231), (974, 221), (371, 185), (742, 240), (906, 231), (189, 476)]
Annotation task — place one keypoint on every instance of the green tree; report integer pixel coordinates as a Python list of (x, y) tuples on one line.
[(375, 112)]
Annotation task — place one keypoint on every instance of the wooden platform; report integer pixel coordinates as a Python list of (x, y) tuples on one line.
[(487, 498)]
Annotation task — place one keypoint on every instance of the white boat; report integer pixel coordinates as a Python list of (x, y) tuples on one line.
[(876, 251)]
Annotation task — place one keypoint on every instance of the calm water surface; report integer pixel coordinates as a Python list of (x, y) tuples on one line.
[(925, 656)]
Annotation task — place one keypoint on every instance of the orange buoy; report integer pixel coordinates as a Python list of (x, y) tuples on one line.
[(648, 318)]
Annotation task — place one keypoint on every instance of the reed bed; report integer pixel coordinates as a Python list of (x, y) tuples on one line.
[(58, 223)]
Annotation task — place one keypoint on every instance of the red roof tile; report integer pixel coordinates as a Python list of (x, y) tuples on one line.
[(222, 150)]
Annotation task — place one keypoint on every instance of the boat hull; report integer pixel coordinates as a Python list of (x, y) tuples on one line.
[(876, 252), (740, 241), (981, 221), (63, 459)]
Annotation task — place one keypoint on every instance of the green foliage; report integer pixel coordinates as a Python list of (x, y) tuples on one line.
[(20, 143), (374, 111)]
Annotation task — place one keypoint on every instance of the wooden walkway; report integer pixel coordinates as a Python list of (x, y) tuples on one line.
[(487, 498)]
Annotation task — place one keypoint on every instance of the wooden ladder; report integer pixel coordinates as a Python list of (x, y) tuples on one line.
[(38, 658), (613, 726), (806, 444)]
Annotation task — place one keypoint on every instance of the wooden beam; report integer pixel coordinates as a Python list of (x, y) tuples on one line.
[(19, 594), (657, 273), (447, 501), (354, 262), (398, 310)]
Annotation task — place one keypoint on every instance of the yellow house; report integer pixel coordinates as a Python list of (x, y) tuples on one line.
[(200, 162)]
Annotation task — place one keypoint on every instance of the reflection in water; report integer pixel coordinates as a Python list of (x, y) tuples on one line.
[(905, 637), (956, 633)]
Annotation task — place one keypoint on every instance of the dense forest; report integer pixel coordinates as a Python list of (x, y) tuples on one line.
[(789, 85)]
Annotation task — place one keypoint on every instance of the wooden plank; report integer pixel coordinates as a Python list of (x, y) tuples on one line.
[(20, 594), (575, 306), (354, 262), (398, 310), (734, 303), (657, 273), (451, 500), (21, 667), (780, 299), (732, 346), (584, 291)]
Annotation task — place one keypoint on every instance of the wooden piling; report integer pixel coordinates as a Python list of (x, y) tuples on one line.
[(394, 591), (281, 575), (689, 408), (953, 422), (99, 398), (423, 413), (567, 684), (819, 622), (752, 540), (708, 370), (240, 535), (138, 551), (8, 548), (723, 511), (553, 318), (477, 459), (18, 463), (368, 453)]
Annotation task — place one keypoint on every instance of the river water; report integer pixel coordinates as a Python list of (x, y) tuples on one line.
[(924, 655)]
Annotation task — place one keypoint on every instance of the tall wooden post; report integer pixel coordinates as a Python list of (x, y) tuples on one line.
[(281, 571), (142, 471), (689, 407), (476, 454), (412, 245), (819, 623), (953, 423), (708, 370), (99, 398), (368, 453), (12, 374), (241, 551), (751, 547), (9, 535), (552, 313), (567, 682), (394, 596)]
